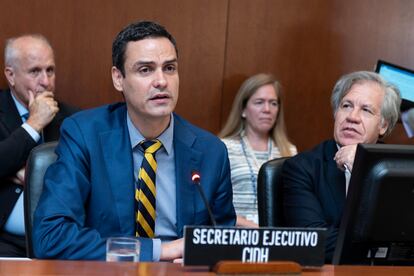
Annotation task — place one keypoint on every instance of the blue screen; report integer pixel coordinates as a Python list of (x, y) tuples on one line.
[(404, 80)]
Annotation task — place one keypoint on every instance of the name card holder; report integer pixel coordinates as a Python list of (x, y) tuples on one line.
[(273, 267), (231, 250)]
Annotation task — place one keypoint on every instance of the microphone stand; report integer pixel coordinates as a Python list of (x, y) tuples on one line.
[(196, 181)]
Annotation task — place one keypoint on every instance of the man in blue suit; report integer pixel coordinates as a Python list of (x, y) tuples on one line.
[(366, 108), (89, 192)]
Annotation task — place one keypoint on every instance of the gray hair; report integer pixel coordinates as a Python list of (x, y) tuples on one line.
[(390, 108), (10, 51)]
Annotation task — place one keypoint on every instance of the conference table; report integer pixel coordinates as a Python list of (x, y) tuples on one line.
[(53, 267)]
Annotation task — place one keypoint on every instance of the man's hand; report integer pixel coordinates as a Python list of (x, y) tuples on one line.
[(42, 109), (244, 222), (19, 177), (172, 251), (345, 156)]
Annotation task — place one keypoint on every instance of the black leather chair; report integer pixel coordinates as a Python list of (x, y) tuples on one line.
[(39, 160), (269, 193)]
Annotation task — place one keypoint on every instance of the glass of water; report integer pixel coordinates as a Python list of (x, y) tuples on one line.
[(122, 249)]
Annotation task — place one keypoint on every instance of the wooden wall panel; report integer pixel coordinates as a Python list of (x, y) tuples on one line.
[(308, 45), (82, 33)]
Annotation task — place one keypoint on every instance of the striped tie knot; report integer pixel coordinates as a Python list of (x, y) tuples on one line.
[(150, 146)]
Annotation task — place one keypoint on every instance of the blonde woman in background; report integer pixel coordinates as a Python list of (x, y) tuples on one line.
[(254, 133)]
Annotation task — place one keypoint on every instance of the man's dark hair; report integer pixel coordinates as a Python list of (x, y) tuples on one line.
[(134, 32)]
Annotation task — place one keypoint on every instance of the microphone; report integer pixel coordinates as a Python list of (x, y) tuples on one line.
[(196, 178)]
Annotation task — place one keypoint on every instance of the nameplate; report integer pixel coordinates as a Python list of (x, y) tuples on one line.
[(206, 245)]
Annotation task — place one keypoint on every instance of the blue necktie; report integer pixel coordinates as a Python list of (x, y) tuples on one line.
[(24, 117)]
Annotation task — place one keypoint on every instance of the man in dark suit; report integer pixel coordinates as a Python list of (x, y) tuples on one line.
[(29, 114), (366, 108), (93, 191)]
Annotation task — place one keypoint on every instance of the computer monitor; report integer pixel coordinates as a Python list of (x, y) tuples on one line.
[(377, 225), (401, 77)]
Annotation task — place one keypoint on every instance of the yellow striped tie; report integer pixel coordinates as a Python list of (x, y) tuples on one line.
[(145, 191)]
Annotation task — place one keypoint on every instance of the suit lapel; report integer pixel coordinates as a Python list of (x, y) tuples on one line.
[(117, 153), (187, 161), (9, 115), (335, 176)]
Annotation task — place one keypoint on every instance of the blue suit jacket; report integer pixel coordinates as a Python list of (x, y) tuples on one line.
[(314, 191), (89, 192)]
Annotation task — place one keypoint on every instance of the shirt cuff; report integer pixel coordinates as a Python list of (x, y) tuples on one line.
[(156, 250), (33, 133)]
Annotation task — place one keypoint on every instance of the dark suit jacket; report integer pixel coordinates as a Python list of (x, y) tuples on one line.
[(89, 192), (314, 191), (15, 146)]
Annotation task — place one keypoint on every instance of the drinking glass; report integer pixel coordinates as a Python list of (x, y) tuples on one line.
[(122, 249)]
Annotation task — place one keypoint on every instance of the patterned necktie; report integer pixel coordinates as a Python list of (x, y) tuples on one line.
[(145, 190)]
